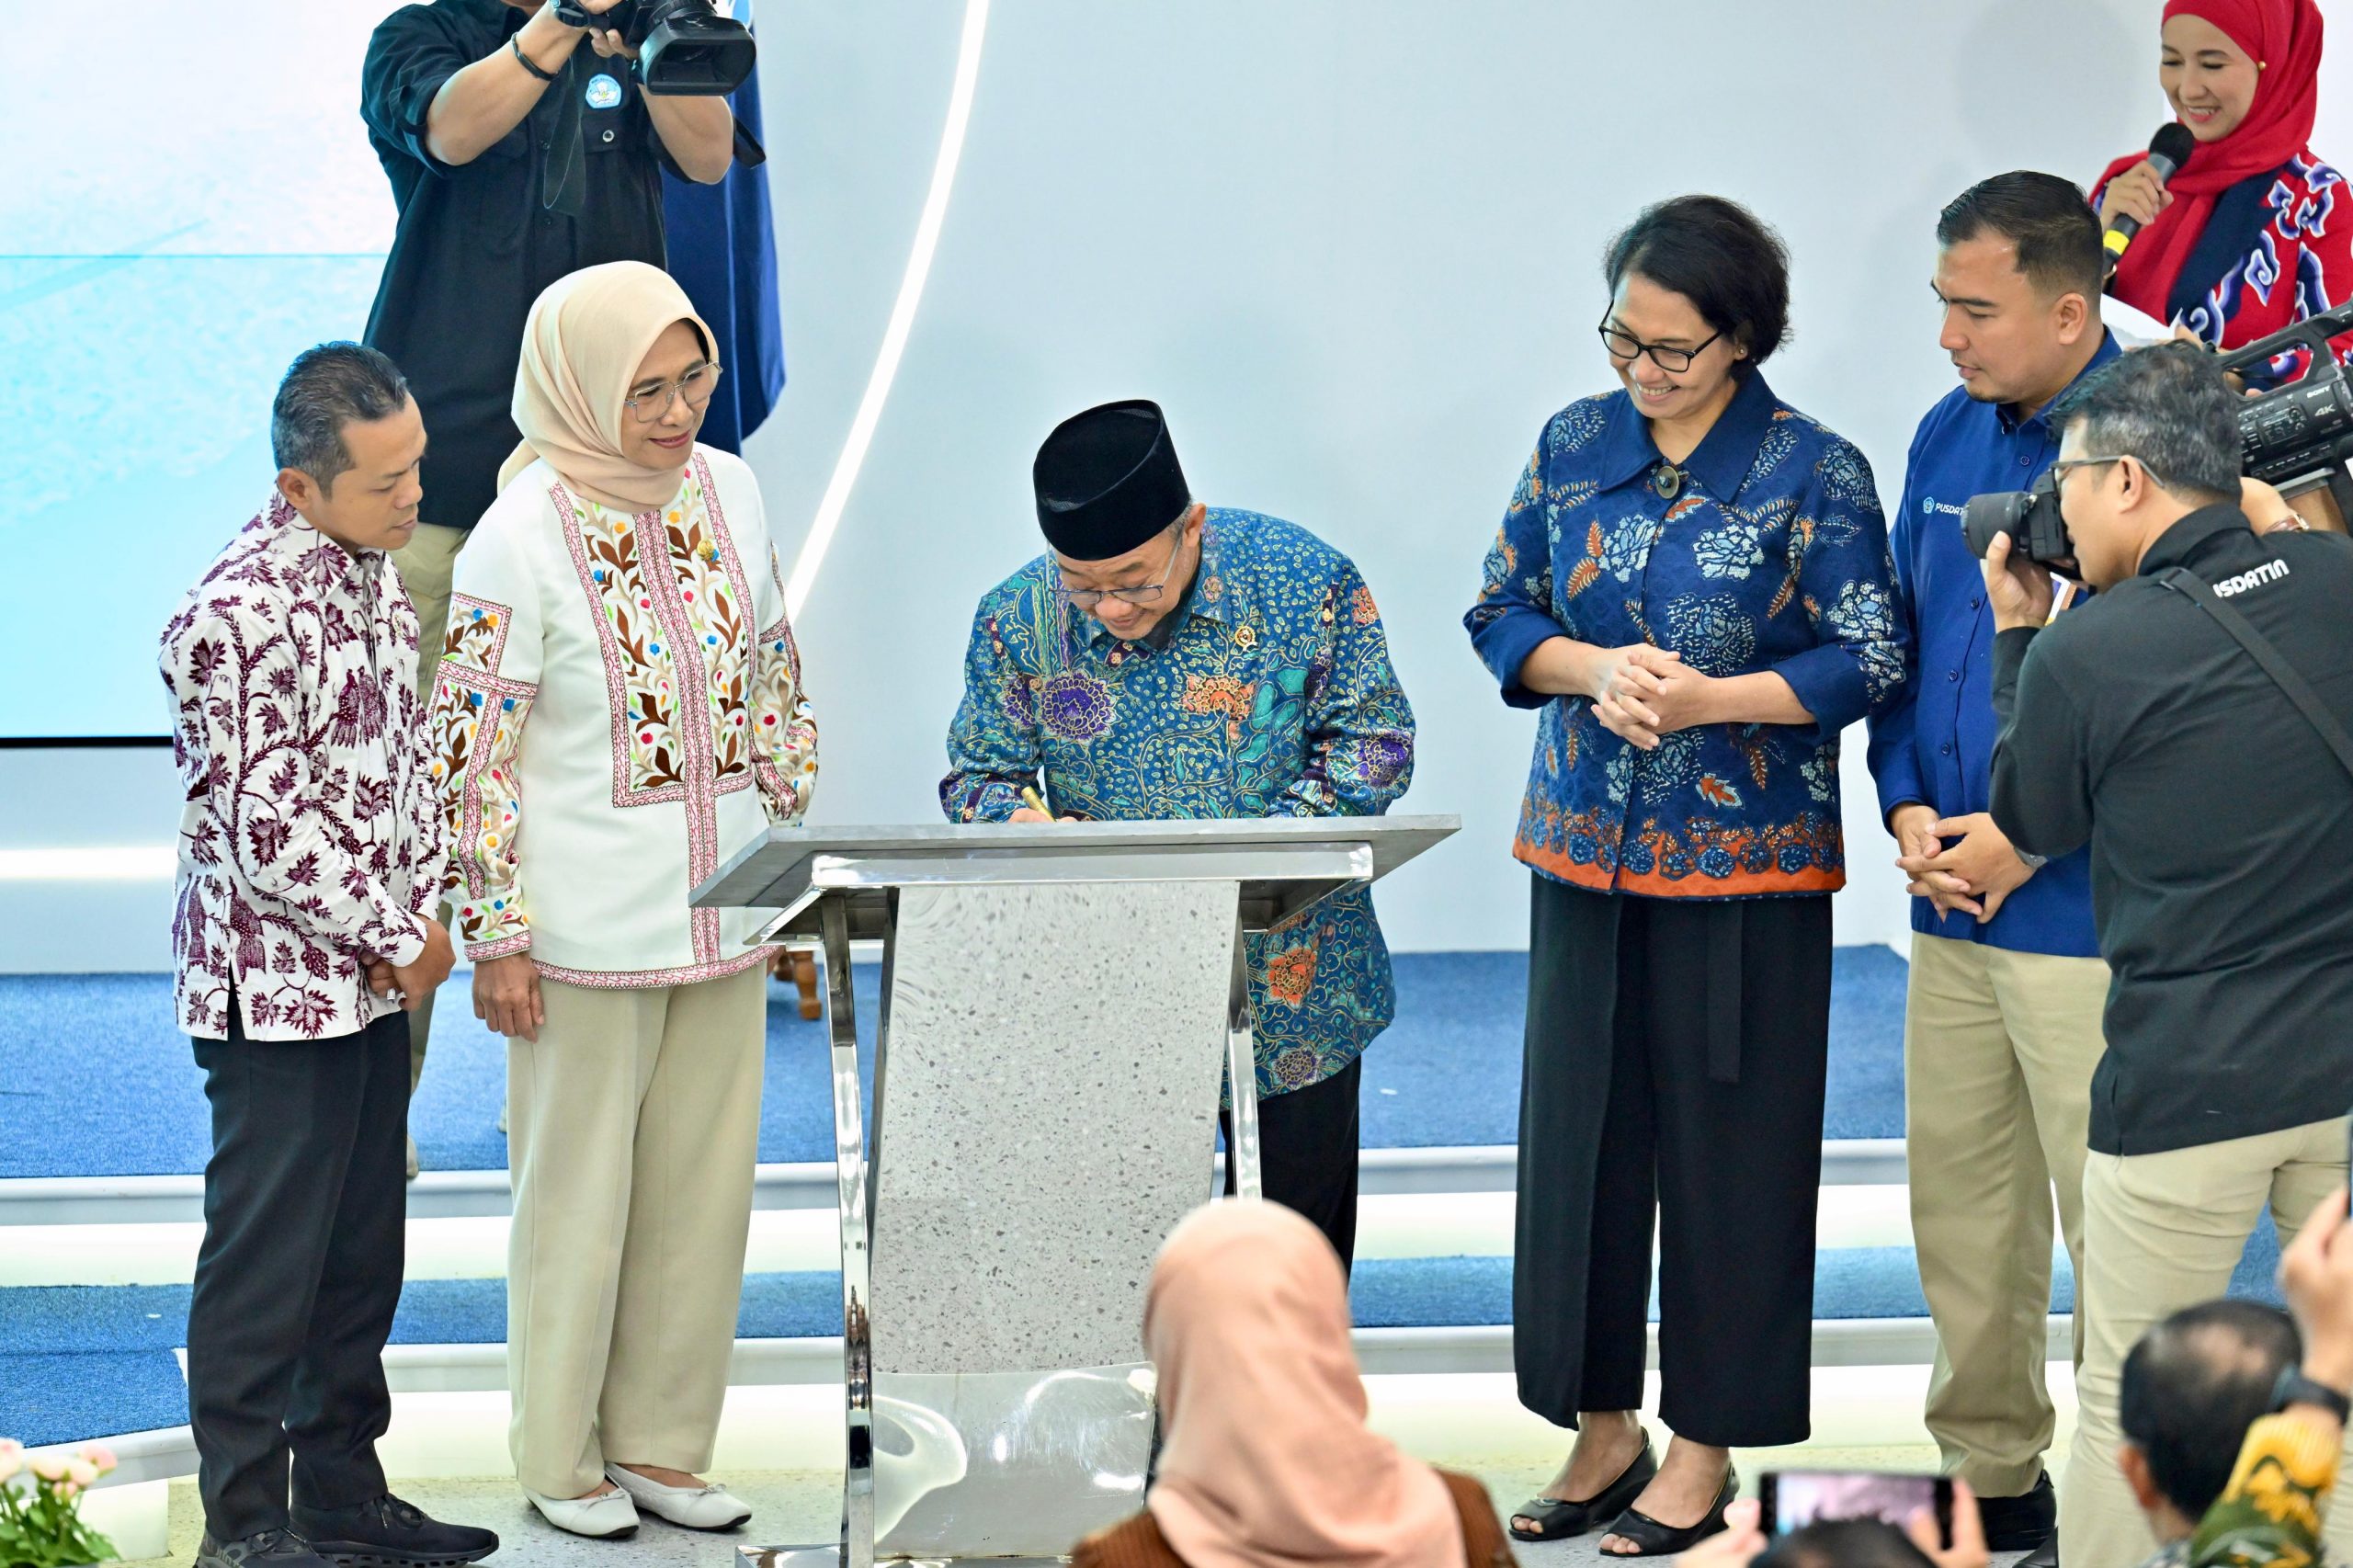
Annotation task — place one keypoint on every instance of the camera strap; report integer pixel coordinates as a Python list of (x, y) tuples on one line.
[(563, 176), (2181, 580)]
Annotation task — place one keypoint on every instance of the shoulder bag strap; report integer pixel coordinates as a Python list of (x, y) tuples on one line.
[(2181, 580)]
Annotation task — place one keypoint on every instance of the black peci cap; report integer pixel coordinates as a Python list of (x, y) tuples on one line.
[(1107, 480)]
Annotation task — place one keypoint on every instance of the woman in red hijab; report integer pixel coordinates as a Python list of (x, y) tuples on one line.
[(2255, 232)]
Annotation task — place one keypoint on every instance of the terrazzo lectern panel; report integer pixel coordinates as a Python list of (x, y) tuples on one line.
[(1061, 1003)]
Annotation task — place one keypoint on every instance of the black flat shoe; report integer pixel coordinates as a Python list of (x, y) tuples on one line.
[(1652, 1539), (1559, 1518), (2023, 1523)]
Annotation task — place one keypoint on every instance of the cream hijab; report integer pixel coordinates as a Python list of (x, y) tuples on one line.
[(582, 345), (1268, 1462)]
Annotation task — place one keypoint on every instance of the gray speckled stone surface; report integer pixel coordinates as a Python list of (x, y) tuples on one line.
[(1046, 1114)]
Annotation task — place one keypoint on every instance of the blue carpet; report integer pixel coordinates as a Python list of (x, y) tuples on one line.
[(94, 1081), (95, 1361)]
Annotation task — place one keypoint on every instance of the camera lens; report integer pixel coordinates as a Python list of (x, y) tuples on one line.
[(1986, 515)]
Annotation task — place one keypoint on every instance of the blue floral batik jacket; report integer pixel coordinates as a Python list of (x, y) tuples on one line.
[(1763, 551), (1273, 697)]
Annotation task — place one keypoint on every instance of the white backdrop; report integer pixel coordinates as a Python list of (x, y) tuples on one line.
[(1353, 251), (1352, 248)]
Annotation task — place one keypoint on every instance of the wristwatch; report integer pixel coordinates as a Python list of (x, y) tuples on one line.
[(2032, 862), (2294, 1388)]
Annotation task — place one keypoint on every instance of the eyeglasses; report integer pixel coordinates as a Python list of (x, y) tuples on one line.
[(1626, 346), (695, 386), (2059, 471), (1143, 594)]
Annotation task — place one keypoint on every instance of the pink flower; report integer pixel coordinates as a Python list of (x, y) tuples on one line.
[(100, 1455), (49, 1467), (80, 1472)]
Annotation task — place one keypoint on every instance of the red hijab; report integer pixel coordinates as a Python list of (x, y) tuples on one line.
[(2283, 36)]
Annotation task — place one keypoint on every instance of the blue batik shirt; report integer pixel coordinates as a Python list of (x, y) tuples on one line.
[(1273, 695), (1765, 550), (1935, 743)]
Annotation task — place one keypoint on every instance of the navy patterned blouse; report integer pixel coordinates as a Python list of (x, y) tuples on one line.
[(1765, 550)]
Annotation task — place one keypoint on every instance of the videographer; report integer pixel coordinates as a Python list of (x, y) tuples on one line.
[(2211, 798), (457, 97)]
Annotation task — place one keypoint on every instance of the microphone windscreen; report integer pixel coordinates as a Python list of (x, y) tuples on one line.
[(2170, 147)]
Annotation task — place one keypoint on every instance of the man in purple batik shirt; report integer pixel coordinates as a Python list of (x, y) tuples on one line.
[(309, 851)]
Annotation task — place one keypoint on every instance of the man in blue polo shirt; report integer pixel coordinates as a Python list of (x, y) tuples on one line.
[(2003, 1022)]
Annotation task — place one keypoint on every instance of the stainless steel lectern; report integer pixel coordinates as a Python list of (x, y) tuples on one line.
[(1060, 1003)]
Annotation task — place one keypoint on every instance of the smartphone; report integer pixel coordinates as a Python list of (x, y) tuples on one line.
[(1791, 1499)]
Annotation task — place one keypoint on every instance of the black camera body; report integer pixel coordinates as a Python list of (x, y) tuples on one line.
[(2031, 517), (684, 47), (2299, 436)]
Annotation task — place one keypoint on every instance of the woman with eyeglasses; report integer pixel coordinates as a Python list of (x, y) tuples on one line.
[(618, 678), (1691, 586)]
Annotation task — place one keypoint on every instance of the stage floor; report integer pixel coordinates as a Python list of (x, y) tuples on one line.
[(101, 1084)]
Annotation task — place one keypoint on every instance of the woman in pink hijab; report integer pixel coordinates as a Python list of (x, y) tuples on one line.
[(1267, 1461)]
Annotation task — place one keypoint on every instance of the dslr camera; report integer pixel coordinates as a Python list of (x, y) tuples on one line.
[(684, 47), (2031, 517), (2294, 437)]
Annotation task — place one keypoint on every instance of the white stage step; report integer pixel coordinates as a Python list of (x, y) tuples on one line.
[(817, 1364), (151, 1199)]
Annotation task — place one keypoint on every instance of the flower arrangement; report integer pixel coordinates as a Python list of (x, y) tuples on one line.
[(41, 1521)]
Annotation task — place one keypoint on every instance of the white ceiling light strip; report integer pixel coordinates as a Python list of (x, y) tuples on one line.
[(903, 314)]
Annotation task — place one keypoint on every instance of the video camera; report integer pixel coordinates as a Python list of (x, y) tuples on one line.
[(2300, 436), (684, 47), (2294, 437)]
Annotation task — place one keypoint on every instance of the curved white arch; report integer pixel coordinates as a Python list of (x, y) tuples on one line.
[(903, 314)]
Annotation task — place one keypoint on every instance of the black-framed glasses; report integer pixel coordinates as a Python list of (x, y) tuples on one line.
[(2059, 471), (1141, 594), (695, 386), (1624, 345)]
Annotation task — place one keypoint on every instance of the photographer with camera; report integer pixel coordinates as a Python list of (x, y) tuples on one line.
[(2190, 724), (521, 147)]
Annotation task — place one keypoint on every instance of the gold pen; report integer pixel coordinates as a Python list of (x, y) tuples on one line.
[(1035, 802)]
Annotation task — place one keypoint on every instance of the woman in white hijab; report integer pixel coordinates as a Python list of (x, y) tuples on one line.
[(1267, 1461), (618, 707)]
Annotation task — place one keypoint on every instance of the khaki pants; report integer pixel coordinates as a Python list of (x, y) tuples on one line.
[(2162, 1231), (426, 564), (1998, 1053), (633, 1125)]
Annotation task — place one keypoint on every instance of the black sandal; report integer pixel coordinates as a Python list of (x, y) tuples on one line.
[(1652, 1539), (1559, 1518)]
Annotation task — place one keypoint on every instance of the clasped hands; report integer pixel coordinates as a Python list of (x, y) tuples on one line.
[(1641, 693), (1974, 877), (412, 982)]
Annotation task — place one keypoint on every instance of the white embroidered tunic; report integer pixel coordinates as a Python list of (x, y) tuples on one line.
[(619, 707), (310, 834)]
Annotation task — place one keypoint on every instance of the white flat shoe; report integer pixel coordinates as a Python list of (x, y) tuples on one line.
[(608, 1515), (711, 1507)]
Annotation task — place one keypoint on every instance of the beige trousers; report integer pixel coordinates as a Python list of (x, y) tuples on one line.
[(633, 1125), (426, 564), (2162, 1231), (1998, 1053)]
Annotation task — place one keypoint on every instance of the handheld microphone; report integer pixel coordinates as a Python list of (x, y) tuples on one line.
[(2168, 150)]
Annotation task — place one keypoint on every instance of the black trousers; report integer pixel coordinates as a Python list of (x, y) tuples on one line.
[(1675, 1062), (305, 1200), (1307, 1154)]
